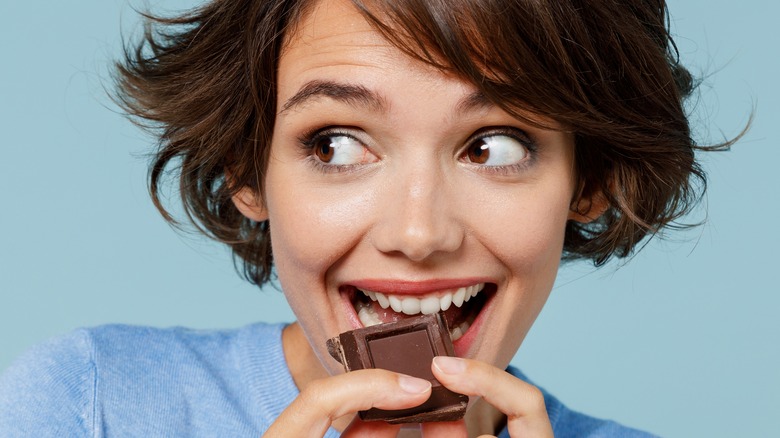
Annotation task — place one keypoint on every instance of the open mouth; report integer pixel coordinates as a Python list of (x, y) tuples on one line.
[(460, 306)]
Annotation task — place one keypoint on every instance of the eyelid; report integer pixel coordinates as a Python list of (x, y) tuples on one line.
[(516, 133), (307, 139), (502, 170)]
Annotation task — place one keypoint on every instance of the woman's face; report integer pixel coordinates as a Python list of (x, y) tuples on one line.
[(386, 175)]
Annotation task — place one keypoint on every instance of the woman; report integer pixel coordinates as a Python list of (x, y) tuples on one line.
[(383, 158)]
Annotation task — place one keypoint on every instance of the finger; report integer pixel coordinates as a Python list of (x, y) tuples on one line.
[(370, 429), (445, 429), (521, 402), (324, 400)]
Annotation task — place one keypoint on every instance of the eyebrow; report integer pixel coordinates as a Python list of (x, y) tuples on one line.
[(347, 93), (361, 96), (474, 102)]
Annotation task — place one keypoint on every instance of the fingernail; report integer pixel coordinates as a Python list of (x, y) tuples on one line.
[(413, 385), (449, 365)]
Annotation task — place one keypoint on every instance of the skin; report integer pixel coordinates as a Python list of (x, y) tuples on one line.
[(410, 206)]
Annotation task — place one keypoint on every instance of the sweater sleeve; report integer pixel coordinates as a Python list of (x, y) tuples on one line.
[(50, 390)]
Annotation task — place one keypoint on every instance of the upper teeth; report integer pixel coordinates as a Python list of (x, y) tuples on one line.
[(427, 304)]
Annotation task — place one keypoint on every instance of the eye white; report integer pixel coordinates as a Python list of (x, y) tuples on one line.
[(347, 150), (498, 150)]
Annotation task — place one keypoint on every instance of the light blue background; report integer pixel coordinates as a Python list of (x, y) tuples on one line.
[(682, 341)]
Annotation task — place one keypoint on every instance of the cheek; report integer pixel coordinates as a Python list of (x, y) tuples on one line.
[(541, 239), (528, 232), (312, 227), (528, 240)]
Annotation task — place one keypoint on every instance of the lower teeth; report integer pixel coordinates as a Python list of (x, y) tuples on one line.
[(367, 316), (458, 331)]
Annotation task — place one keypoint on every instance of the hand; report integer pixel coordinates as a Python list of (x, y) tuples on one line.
[(521, 402), (325, 400)]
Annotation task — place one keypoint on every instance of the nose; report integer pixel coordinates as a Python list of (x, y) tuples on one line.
[(420, 217)]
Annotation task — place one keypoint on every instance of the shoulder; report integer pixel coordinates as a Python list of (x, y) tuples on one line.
[(159, 353), (116, 375), (569, 423), (54, 380)]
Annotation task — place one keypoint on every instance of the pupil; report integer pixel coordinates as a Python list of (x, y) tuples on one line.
[(324, 150), (480, 153)]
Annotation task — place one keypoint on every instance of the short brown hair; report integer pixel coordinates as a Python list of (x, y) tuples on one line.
[(609, 71)]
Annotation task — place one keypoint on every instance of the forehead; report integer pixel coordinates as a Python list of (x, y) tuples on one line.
[(333, 42), (326, 22), (333, 39)]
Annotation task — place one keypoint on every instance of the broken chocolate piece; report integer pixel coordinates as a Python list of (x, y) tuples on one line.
[(408, 347)]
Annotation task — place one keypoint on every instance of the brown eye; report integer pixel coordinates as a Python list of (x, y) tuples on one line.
[(496, 150), (479, 152), (323, 149), (336, 149)]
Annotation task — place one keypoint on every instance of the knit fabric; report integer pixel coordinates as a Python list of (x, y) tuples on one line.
[(128, 381)]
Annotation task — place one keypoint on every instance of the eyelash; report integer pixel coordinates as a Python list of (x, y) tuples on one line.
[(521, 136), (309, 139)]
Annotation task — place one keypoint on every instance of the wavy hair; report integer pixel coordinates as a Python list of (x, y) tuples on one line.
[(609, 71)]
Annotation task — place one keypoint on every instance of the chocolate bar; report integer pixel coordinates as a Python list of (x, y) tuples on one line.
[(408, 347)]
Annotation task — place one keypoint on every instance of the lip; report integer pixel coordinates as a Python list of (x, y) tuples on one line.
[(405, 287)]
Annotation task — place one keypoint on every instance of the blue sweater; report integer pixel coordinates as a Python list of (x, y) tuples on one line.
[(138, 381)]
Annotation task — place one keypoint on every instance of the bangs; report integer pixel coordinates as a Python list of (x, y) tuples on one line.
[(509, 50), (585, 66)]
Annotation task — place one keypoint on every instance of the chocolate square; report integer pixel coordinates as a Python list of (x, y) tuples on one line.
[(408, 347)]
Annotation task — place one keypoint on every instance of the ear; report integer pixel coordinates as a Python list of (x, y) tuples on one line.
[(250, 204), (588, 209)]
